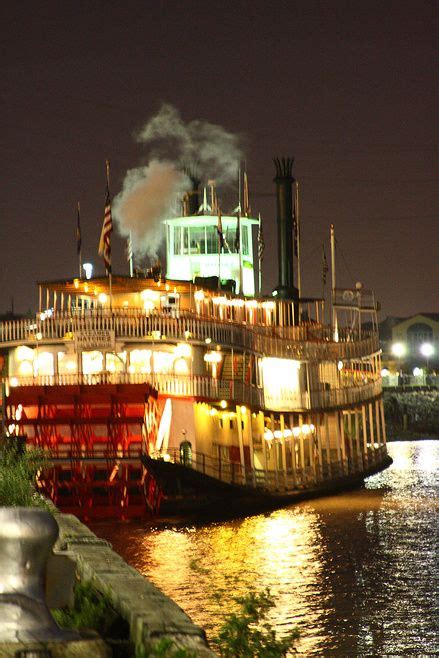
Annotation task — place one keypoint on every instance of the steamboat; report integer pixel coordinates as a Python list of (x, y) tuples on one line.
[(160, 391)]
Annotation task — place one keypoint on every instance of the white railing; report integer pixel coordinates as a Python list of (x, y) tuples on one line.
[(201, 386), (304, 342), (340, 397), (198, 386), (300, 478)]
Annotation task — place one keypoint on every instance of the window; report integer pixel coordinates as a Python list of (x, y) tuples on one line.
[(211, 240), (178, 239), (115, 362), (44, 364), (92, 362), (244, 241), (198, 240), (419, 333)]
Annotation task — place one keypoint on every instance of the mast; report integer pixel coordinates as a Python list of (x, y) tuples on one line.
[(107, 166), (130, 254), (334, 312), (79, 240), (297, 239)]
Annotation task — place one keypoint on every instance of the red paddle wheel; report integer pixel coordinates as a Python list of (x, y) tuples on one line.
[(95, 435)]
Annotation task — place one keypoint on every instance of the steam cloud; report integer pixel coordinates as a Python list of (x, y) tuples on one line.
[(149, 193)]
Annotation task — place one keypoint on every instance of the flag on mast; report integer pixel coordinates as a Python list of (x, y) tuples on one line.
[(78, 231), (261, 242), (107, 228), (219, 229), (238, 232), (325, 267), (129, 250)]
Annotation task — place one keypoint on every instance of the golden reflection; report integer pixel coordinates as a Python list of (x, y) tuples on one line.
[(354, 571), (279, 551)]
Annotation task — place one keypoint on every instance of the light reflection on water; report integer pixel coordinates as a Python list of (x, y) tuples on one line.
[(355, 572)]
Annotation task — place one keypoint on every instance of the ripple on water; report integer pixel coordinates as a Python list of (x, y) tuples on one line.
[(357, 572)]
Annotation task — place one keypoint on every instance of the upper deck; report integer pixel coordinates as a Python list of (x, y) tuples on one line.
[(82, 335)]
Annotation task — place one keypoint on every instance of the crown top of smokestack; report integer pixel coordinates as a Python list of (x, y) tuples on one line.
[(284, 167)]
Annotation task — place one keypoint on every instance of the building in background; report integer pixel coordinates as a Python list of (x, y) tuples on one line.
[(410, 349)]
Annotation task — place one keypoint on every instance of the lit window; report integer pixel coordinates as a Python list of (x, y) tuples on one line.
[(181, 367), (92, 362), (163, 362), (67, 363), (25, 369), (115, 362), (140, 361), (43, 364)]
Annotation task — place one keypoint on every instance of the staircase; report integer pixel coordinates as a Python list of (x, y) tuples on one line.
[(234, 370)]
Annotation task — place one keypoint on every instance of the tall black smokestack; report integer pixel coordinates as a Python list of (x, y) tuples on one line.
[(284, 192)]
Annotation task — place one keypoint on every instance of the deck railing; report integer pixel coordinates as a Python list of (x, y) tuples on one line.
[(202, 386), (281, 480), (304, 342), (338, 397)]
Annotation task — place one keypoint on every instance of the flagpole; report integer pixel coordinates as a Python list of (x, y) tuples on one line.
[(79, 241), (239, 184), (260, 278), (219, 263), (110, 282), (324, 272), (260, 254), (130, 256), (219, 230), (299, 273), (241, 291), (334, 312)]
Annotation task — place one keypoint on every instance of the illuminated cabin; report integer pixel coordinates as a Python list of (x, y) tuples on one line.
[(255, 392), (192, 249)]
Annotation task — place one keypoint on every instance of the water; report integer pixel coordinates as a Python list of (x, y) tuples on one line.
[(356, 572)]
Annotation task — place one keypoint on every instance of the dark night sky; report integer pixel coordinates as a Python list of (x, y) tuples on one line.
[(347, 88)]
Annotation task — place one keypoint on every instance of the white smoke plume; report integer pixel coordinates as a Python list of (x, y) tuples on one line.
[(149, 192), (147, 197)]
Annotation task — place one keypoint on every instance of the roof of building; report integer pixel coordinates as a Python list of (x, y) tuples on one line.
[(431, 316)]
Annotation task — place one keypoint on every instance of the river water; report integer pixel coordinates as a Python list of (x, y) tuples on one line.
[(357, 573)]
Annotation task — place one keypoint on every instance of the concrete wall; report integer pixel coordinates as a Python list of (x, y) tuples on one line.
[(150, 614)]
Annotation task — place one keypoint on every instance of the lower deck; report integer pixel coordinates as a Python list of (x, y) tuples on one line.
[(97, 434)]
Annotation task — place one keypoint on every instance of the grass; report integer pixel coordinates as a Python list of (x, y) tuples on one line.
[(248, 633), (17, 477), (90, 610)]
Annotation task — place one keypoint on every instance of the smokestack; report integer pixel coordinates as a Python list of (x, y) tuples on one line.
[(191, 198), (284, 183)]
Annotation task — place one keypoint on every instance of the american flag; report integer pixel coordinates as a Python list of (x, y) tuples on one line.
[(129, 249), (107, 227), (261, 243), (219, 229), (324, 265), (295, 233)]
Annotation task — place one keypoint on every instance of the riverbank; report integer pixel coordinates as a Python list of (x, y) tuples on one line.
[(150, 615), (411, 435), (411, 414)]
